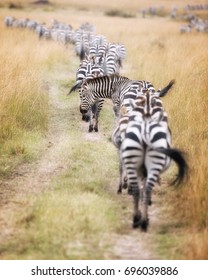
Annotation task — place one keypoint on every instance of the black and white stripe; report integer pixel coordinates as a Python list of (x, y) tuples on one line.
[(120, 89), (119, 131), (89, 69), (146, 152)]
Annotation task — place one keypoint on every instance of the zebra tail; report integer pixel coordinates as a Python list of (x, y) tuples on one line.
[(75, 87), (179, 159), (167, 88)]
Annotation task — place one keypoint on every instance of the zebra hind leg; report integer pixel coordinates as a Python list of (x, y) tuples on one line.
[(137, 213), (122, 185), (145, 203)]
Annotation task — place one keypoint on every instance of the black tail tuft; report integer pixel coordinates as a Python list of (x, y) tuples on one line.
[(167, 88), (179, 159)]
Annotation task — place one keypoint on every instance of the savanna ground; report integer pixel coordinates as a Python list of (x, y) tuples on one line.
[(58, 182)]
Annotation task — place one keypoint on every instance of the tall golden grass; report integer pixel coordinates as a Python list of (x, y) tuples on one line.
[(23, 95), (23, 105)]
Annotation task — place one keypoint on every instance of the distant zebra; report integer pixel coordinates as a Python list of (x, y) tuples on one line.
[(9, 20), (186, 28), (82, 40), (118, 88), (145, 153), (113, 57)]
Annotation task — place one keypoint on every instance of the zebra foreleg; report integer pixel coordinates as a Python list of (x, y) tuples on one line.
[(95, 122), (91, 122), (95, 117)]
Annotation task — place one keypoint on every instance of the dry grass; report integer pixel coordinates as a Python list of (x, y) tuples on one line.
[(105, 5)]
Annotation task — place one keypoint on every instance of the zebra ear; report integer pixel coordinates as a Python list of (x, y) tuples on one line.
[(75, 87), (164, 91)]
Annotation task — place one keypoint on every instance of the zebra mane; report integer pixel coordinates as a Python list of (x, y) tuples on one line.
[(165, 90)]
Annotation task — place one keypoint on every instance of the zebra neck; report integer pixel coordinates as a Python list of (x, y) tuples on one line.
[(103, 88)]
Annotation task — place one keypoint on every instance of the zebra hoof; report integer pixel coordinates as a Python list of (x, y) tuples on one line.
[(144, 224), (95, 129), (90, 128), (130, 192), (119, 189), (136, 221), (150, 202), (125, 186)]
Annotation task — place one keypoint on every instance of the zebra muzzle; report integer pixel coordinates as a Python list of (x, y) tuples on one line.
[(82, 111)]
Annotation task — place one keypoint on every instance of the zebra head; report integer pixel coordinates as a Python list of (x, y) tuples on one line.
[(87, 98)]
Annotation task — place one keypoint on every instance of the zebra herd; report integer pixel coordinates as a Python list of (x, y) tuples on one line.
[(142, 135), (58, 31), (141, 131), (200, 25), (193, 21), (98, 58)]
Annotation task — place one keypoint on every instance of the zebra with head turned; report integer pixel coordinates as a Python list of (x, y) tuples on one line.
[(146, 152), (118, 88), (89, 69)]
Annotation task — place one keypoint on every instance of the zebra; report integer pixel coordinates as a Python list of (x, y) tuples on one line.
[(112, 58), (9, 20), (186, 28), (89, 69), (145, 153), (118, 88), (82, 40), (119, 132)]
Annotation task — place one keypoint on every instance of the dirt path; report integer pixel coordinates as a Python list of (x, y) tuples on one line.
[(35, 177), (135, 244)]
